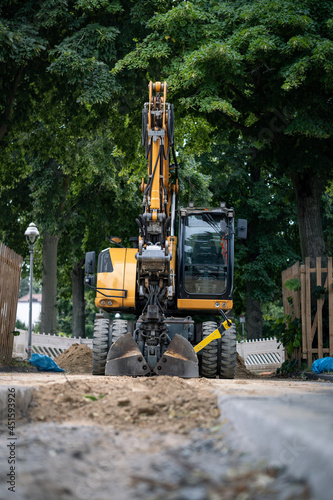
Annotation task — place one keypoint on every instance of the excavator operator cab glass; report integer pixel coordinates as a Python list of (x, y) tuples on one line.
[(205, 254)]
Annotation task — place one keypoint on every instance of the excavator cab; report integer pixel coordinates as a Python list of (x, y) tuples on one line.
[(205, 261)]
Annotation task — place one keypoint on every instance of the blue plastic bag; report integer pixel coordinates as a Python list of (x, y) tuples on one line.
[(44, 363), (323, 365)]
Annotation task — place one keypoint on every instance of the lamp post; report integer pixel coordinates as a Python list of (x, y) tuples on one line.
[(31, 236)]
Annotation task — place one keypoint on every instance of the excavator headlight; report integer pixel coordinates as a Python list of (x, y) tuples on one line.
[(109, 302), (103, 302)]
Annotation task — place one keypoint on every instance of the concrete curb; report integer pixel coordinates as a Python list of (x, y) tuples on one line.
[(318, 376), (23, 398), (287, 431)]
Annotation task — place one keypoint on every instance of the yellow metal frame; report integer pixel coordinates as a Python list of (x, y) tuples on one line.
[(123, 277), (204, 304), (213, 336), (157, 195)]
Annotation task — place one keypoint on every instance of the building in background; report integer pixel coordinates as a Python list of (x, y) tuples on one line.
[(23, 309)]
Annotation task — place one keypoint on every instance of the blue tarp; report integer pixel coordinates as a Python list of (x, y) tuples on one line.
[(323, 365), (44, 363)]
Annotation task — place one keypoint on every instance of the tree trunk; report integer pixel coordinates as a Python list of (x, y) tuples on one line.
[(49, 284), (309, 190), (253, 315), (78, 316)]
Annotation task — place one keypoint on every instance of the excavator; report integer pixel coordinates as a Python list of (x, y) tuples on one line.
[(176, 282)]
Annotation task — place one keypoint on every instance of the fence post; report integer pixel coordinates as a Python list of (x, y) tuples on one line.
[(330, 304), (10, 274), (320, 303), (303, 316), (307, 309)]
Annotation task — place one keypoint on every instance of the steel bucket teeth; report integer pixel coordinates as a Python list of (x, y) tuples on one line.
[(125, 358), (179, 360)]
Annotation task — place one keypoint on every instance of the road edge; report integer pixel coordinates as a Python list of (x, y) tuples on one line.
[(282, 445)]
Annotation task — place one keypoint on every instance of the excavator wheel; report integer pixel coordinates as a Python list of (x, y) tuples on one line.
[(209, 366), (228, 353), (106, 332), (119, 327), (100, 345)]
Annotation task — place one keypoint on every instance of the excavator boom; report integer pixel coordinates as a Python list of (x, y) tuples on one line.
[(156, 258)]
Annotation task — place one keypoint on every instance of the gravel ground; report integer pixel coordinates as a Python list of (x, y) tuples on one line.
[(77, 461), (65, 448)]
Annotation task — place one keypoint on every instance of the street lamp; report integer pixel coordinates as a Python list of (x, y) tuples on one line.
[(31, 236)]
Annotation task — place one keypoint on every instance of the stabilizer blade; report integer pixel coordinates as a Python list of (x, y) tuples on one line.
[(179, 360), (125, 358)]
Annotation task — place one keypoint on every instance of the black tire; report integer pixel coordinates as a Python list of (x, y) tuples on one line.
[(100, 345), (119, 327), (209, 366), (228, 353)]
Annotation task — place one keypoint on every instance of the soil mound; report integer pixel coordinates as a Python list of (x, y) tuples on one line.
[(159, 403), (241, 370), (76, 359)]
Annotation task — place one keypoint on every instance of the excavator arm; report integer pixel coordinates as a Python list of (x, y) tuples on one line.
[(152, 350)]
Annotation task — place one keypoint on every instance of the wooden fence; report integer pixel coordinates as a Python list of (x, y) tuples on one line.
[(10, 274), (313, 304)]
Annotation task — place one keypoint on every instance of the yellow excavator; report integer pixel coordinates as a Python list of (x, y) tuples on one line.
[(169, 278)]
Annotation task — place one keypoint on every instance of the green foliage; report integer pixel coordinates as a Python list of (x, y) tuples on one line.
[(93, 398), (251, 82), (194, 185), (20, 325), (287, 368), (293, 284), (289, 332), (319, 292), (25, 286)]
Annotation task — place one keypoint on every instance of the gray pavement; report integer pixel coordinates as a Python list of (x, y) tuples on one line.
[(290, 425)]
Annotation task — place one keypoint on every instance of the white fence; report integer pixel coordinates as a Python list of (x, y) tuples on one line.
[(257, 354), (261, 354), (51, 345)]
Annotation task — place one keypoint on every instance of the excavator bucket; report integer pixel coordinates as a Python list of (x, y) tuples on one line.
[(125, 358), (179, 360)]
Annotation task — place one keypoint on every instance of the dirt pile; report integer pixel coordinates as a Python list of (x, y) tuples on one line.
[(241, 370), (76, 359), (157, 403)]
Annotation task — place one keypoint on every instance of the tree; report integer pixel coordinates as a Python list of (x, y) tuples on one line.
[(262, 69), (261, 74), (66, 50)]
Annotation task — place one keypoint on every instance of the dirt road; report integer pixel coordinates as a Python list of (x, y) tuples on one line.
[(114, 438)]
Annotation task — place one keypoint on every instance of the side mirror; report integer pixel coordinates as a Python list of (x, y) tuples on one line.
[(241, 229), (90, 263)]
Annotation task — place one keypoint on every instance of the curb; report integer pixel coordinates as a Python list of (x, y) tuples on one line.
[(285, 433), (23, 398), (318, 376)]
